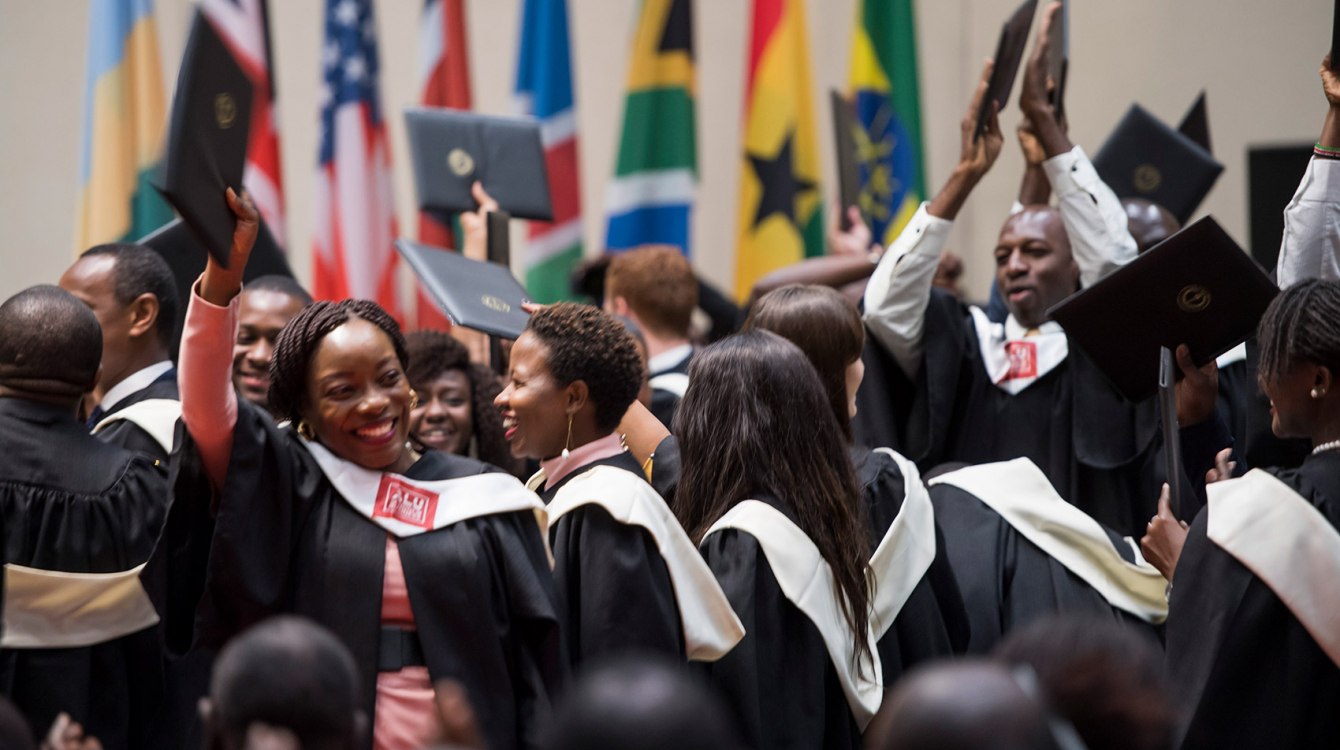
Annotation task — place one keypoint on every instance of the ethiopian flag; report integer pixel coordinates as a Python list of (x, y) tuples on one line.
[(651, 195), (781, 209), (888, 110), (124, 117)]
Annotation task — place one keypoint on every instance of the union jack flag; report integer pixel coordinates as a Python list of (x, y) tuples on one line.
[(354, 254)]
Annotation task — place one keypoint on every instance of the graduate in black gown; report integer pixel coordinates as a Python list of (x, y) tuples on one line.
[(768, 491), (426, 566), (73, 504), (917, 600), (945, 384), (1253, 635), (627, 576)]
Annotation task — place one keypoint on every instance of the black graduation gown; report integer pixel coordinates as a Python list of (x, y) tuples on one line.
[(131, 436), (73, 503), (665, 402), (1245, 670), (284, 541), (933, 622), (779, 681), (1098, 449), (614, 589)]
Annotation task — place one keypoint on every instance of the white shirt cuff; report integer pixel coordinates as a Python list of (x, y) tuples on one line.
[(1070, 172)]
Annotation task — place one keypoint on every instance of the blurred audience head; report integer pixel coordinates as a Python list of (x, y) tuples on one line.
[(965, 705), (655, 286), (1105, 678), (1148, 222), (287, 674), (50, 346), (267, 304), (637, 703)]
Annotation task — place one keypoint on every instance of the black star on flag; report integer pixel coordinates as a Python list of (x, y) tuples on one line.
[(780, 185)]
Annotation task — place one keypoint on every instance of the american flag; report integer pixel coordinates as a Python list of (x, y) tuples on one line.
[(444, 81), (244, 27), (354, 253)]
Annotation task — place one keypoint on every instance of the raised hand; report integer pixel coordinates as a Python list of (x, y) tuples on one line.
[(475, 225), (1164, 537), (854, 241), (1330, 82), (1223, 467), (976, 156), (1034, 98), (221, 284)]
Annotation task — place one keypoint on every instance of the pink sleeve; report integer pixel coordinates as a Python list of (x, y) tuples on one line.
[(205, 378)]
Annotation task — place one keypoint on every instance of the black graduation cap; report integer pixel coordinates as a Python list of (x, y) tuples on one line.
[(1144, 158), (185, 255), (1058, 57), (475, 294), (849, 175), (1196, 288), (1196, 124), (1009, 53), (451, 149), (207, 142)]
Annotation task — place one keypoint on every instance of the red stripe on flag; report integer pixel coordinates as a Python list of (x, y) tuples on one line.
[(767, 14), (564, 189)]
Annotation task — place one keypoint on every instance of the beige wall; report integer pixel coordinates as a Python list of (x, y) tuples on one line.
[(1258, 61)]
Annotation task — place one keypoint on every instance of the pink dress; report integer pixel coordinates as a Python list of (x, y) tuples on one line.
[(406, 716)]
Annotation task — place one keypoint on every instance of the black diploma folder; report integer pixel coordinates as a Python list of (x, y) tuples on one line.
[(1196, 288), (207, 140), (475, 294), (451, 149), (1009, 53)]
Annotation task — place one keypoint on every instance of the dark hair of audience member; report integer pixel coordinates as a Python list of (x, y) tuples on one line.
[(1302, 323), (434, 353), (14, 731), (291, 673), (588, 344), (301, 337), (756, 420), (1103, 677), (281, 284), (139, 270), (960, 705), (639, 703), (825, 325), (50, 344)]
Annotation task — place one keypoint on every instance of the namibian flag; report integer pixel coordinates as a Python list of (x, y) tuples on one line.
[(544, 89), (888, 109), (781, 208), (124, 117), (651, 195)]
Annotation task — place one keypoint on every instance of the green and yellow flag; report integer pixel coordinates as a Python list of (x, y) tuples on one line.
[(888, 110), (781, 207)]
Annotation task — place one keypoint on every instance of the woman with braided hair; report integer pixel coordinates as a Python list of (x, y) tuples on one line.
[(428, 566), (1253, 636), (626, 575)]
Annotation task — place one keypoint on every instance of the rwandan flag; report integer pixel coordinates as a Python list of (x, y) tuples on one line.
[(544, 89), (124, 117), (651, 195), (888, 109), (781, 209)]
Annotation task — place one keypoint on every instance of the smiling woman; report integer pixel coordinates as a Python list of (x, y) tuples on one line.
[(333, 516)]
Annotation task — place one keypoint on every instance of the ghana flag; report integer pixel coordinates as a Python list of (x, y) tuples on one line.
[(888, 108), (651, 195), (781, 211)]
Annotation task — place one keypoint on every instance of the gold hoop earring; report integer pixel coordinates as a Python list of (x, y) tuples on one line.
[(413, 399), (306, 431), (568, 442)]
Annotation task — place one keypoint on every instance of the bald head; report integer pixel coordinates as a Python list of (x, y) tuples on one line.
[(1148, 222), (1034, 265), (50, 344), (960, 706)]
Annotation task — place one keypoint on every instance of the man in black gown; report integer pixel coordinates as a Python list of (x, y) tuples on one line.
[(944, 383), (131, 291), (74, 504)]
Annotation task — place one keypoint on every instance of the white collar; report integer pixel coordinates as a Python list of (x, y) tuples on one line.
[(669, 358), (1013, 359), (134, 382)]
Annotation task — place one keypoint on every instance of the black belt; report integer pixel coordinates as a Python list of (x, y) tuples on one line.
[(399, 648)]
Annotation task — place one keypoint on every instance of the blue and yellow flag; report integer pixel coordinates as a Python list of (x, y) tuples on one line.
[(888, 110), (124, 119)]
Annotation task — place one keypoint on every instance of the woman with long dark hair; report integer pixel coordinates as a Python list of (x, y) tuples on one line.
[(918, 612), (455, 413), (1253, 646), (768, 491), (427, 566), (626, 575)]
